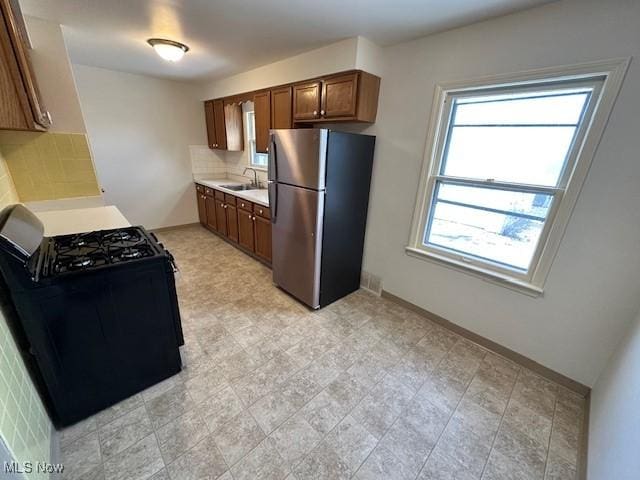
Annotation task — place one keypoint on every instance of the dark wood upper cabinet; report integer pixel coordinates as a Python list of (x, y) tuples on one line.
[(22, 106), (339, 96), (281, 108), (211, 124), (306, 101), (342, 97), (219, 125), (262, 114)]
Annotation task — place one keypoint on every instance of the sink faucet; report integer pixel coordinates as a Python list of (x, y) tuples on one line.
[(255, 176)]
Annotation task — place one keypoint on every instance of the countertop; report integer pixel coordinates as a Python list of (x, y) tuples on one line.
[(80, 220), (260, 196)]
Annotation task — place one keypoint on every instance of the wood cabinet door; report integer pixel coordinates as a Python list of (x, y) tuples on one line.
[(306, 101), (262, 114), (245, 230), (211, 124), (219, 123), (281, 108), (339, 96), (232, 222), (233, 127), (20, 93), (221, 217), (210, 212), (262, 238), (202, 208)]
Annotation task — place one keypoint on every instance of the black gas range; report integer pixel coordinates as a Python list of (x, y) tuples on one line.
[(96, 314)]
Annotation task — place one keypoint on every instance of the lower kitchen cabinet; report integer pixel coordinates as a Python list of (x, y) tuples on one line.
[(232, 222), (221, 217), (245, 230), (210, 215), (202, 207), (262, 228), (237, 220)]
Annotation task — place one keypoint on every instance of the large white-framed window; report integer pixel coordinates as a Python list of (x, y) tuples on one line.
[(504, 163), (256, 160)]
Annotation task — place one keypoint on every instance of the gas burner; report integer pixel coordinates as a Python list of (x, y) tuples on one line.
[(80, 262), (78, 242), (130, 254), (119, 236)]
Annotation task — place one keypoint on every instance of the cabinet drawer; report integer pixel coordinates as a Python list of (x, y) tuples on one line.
[(199, 188), (208, 191), (219, 195), (244, 205), (262, 211), (230, 199)]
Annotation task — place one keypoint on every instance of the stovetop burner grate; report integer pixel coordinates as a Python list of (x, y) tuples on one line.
[(72, 253)]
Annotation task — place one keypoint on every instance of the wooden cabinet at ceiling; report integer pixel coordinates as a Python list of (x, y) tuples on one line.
[(215, 120), (306, 101), (262, 115), (233, 126), (210, 122), (281, 107), (352, 96), (22, 107)]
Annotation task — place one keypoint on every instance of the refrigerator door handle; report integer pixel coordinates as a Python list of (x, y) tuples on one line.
[(273, 200), (272, 167)]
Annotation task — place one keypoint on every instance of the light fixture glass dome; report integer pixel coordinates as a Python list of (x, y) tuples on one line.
[(168, 49)]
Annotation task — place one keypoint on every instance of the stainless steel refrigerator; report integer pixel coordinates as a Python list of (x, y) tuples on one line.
[(319, 183)]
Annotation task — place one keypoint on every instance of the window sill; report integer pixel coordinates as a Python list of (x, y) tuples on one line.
[(484, 274)]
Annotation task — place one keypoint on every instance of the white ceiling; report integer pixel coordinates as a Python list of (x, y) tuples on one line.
[(229, 36)]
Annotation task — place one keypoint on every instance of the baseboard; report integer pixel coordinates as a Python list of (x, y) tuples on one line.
[(174, 227), (516, 357)]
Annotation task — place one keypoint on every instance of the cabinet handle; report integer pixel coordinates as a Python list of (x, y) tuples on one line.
[(321, 112), (315, 112), (253, 218), (260, 211)]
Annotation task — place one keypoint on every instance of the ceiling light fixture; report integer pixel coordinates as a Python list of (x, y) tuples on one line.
[(168, 49)]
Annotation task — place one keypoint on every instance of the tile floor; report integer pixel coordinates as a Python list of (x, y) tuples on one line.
[(362, 389)]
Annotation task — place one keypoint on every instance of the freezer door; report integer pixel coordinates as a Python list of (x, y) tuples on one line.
[(298, 157), (297, 242)]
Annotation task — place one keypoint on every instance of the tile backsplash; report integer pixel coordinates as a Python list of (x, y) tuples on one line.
[(211, 164), (48, 166), (24, 424), (8, 194)]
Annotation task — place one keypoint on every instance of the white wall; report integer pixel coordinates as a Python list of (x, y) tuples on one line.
[(140, 130), (614, 430), (332, 58), (592, 290), (55, 78)]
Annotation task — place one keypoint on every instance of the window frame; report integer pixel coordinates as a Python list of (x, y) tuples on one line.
[(608, 75), (251, 141)]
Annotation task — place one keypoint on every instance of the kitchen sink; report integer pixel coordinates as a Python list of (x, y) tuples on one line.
[(239, 188)]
